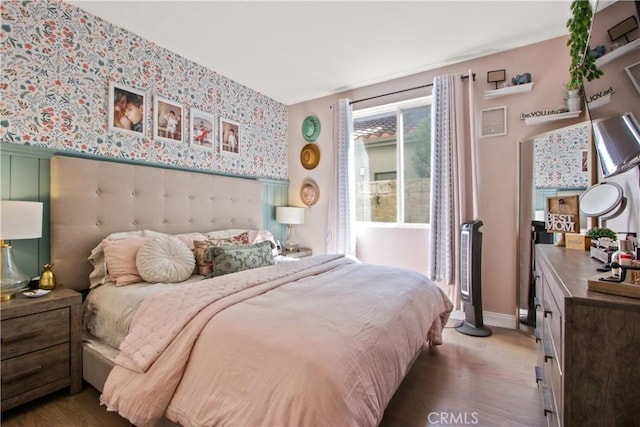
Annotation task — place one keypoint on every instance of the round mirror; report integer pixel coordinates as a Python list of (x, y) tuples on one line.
[(600, 199)]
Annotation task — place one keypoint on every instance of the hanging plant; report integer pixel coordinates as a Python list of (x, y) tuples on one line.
[(583, 64)]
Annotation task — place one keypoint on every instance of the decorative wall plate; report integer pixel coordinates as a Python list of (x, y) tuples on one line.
[(311, 128), (310, 156), (309, 192)]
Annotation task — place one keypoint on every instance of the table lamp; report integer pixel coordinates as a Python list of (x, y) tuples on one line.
[(18, 220), (291, 216)]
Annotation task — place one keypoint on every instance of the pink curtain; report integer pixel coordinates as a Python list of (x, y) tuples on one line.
[(454, 177)]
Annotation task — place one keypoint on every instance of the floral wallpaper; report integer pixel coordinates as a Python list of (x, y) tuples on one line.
[(58, 61), (561, 158)]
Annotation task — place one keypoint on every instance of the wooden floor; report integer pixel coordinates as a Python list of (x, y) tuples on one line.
[(466, 381)]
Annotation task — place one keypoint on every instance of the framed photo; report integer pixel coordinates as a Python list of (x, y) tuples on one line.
[(494, 122), (633, 71), (167, 120), (229, 136), (127, 109), (202, 129)]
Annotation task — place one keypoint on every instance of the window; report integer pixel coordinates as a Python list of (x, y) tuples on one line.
[(392, 145)]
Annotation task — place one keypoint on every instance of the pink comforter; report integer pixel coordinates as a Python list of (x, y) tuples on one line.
[(322, 341)]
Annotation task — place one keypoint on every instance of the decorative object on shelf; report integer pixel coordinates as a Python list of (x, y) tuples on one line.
[(494, 122), (597, 233), (290, 216), (621, 51), (577, 241), (521, 79), (310, 156), (548, 116), (19, 220), (47, 278), (598, 51), (582, 66), (601, 98), (309, 192), (496, 76), (623, 28), (563, 216), (617, 141), (633, 71), (574, 100), (310, 128)]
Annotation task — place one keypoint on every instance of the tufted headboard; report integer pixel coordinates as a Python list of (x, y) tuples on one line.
[(91, 199)]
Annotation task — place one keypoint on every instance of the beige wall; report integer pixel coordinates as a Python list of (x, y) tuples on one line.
[(548, 62)]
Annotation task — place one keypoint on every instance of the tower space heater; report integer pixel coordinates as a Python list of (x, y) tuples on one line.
[(471, 280)]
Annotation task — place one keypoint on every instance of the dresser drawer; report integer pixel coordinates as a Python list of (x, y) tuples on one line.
[(24, 373), (553, 323), (25, 334)]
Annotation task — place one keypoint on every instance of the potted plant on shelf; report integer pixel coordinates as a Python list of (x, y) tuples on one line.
[(597, 233), (583, 64)]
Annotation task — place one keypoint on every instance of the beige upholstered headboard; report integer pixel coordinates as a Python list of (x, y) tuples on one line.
[(91, 199)]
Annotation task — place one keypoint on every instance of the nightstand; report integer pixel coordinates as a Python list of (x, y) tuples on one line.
[(298, 253), (41, 346)]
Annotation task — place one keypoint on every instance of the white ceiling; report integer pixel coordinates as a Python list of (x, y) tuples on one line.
[(300, 50)]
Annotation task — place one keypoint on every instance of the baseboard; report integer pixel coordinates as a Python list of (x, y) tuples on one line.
[(499, 320)]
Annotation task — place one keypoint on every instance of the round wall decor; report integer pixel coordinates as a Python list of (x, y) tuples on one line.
[(311, 128), (309, 192), (310, 156)]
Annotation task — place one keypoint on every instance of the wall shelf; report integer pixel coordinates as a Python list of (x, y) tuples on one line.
[(510, 90), (621, 51), (552, 117)]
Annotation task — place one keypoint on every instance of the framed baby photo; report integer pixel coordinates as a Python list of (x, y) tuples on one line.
[(167, 120), (127, 109), (202, 129), (229, 137)]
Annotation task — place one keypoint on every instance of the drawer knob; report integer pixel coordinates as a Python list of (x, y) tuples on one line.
[(12, 377)]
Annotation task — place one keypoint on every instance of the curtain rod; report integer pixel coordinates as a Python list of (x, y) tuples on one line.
[(404, 90)]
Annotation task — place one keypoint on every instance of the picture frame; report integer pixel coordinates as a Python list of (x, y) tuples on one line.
[(633, 71), (167, 120), (494, 122), (126, 106), (201, 131), (230, 140)]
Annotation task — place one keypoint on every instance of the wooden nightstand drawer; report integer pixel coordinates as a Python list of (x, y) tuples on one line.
[(21, 374), (30, 333)]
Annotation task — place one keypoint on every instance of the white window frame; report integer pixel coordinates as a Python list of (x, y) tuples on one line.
[(386, 108)]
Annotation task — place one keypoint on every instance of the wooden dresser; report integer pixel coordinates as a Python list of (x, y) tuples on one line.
[(41, 346), (588, 344)]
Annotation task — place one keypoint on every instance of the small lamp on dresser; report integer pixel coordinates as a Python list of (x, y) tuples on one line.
[(18, 220), (291, 216)]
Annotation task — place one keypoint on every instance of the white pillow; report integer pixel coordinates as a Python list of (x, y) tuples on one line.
[(165, 259)]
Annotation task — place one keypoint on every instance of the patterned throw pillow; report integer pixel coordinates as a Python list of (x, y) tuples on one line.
[(200, 249), (230, 259)]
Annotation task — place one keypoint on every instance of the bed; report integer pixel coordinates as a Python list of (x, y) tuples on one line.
[(324, 340)]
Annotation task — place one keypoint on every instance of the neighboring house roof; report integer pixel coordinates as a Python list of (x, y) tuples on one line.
[(384, 125)]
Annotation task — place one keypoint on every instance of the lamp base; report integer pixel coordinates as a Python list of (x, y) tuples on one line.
[(292, 242), (12, 279)]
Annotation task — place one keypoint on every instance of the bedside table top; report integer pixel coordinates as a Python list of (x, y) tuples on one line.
[(298, 253), (21, 305)]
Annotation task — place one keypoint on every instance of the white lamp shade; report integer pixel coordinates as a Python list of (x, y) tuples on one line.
[(289, 215), (20, 220), (617, 142)]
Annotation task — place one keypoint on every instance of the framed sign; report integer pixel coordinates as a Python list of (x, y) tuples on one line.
[(494, 122), (562, 214)]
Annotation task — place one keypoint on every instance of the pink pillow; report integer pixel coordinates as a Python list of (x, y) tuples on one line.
[(121, 259)]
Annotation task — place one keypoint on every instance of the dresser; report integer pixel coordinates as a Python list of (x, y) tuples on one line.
[(41, 346), (588, 344)]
